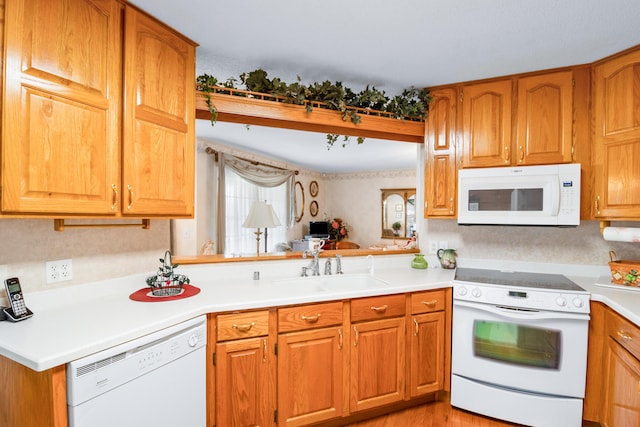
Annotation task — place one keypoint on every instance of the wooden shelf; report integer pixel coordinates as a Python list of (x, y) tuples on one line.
[(256, 111)]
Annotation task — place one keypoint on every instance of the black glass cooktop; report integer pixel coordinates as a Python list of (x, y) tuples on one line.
[(556, 282)]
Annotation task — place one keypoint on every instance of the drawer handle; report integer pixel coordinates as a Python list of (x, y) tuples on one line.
[(431, 303), (311, 319), (381, 309), (624, 335), (244, 328)]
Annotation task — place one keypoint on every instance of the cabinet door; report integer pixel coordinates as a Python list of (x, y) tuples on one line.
[(617, 137), (426, 356), (377, 363), (440, 174), (623, 388), (486, 124), (159, 119), (311, 380), (61, 106), (245, 383), (545, 119)]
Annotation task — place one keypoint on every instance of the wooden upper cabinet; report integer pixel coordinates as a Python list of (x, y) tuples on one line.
[(440, 140), (616, 149), (544, 115), (159, 120), (61, 106), (71, 144), (486, 124)]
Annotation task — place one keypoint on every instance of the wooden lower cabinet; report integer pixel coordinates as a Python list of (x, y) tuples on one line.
[(377, 363), (245, 370), (613, 370), (30, 398), (622, 403), (426, 353), (311, 381), (245, 383)]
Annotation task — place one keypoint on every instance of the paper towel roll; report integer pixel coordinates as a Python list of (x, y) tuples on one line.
[(621, 234)]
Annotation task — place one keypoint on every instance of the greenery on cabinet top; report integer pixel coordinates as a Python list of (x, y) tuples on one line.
[(411, 104)]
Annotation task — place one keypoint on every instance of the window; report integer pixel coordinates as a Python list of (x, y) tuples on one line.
[(239, 196)]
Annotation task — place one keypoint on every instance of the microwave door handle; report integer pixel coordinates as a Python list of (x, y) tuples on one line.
[(555, 197)]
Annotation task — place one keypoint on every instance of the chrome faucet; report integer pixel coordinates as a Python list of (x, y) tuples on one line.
[(338, 264), (314, 266)]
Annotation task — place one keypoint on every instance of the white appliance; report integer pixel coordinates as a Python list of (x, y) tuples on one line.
[(525, 195), (158, 380), (519, 346)]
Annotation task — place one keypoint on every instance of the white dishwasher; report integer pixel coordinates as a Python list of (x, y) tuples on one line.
[(154, 381)]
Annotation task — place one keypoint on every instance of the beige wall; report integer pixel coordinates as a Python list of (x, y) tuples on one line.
[(96, 253), (101, 253)]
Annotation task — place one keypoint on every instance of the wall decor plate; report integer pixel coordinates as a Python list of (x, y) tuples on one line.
[(313, 188), (313, 208)]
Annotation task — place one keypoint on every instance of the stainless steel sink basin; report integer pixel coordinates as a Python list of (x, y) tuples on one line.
[(341, 282)]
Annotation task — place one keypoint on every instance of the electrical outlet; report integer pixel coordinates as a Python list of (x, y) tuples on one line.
[(59, 271), (433, 247), (443, 244)]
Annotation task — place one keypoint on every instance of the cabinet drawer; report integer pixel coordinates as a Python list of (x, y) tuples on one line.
[(309, 316), (377, 307), (243, 325), (426, 302), (625, 333)]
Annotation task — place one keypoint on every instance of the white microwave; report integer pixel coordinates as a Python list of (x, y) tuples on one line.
[(525, 195)]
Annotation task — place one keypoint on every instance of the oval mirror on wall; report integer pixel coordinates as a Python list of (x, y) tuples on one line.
[(299, 201)]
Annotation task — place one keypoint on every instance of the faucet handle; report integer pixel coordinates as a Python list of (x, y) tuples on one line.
[(327, 267), (304, 272)]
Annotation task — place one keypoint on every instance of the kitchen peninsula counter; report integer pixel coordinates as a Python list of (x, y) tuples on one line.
[(75, 321)]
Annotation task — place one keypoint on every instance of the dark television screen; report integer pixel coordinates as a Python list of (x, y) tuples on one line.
[(319, 228)]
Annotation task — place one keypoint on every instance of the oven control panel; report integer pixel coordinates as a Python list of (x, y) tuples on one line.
[(520, 297)]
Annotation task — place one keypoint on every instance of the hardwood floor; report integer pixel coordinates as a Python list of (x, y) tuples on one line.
[(435, 414), (438, 414)]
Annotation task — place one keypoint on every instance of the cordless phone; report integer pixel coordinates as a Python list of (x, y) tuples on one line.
[(18, 311)]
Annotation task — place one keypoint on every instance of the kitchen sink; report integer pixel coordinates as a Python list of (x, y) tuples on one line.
[(341, 282)]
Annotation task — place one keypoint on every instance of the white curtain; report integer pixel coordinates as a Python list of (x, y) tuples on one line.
[(240, 183)]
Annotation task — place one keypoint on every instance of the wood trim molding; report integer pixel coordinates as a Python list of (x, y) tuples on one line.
[(252, 111)]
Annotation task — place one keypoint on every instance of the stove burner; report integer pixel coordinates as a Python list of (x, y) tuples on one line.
[(556, 282)]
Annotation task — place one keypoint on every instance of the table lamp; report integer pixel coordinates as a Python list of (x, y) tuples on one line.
[(261, 215)]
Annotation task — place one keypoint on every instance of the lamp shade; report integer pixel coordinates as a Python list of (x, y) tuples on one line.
[(261, 215)]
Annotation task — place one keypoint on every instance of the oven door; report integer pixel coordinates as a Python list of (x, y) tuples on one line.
[(528, 350)]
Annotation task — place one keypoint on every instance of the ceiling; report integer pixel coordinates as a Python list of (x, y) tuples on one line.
[(389, 45)]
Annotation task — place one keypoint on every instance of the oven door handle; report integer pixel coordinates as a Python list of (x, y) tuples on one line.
[(518, 313)]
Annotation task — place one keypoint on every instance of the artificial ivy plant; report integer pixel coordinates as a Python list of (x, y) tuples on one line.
[(411, 104)]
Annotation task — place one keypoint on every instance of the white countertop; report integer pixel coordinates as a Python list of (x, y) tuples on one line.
[(75, 321)]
